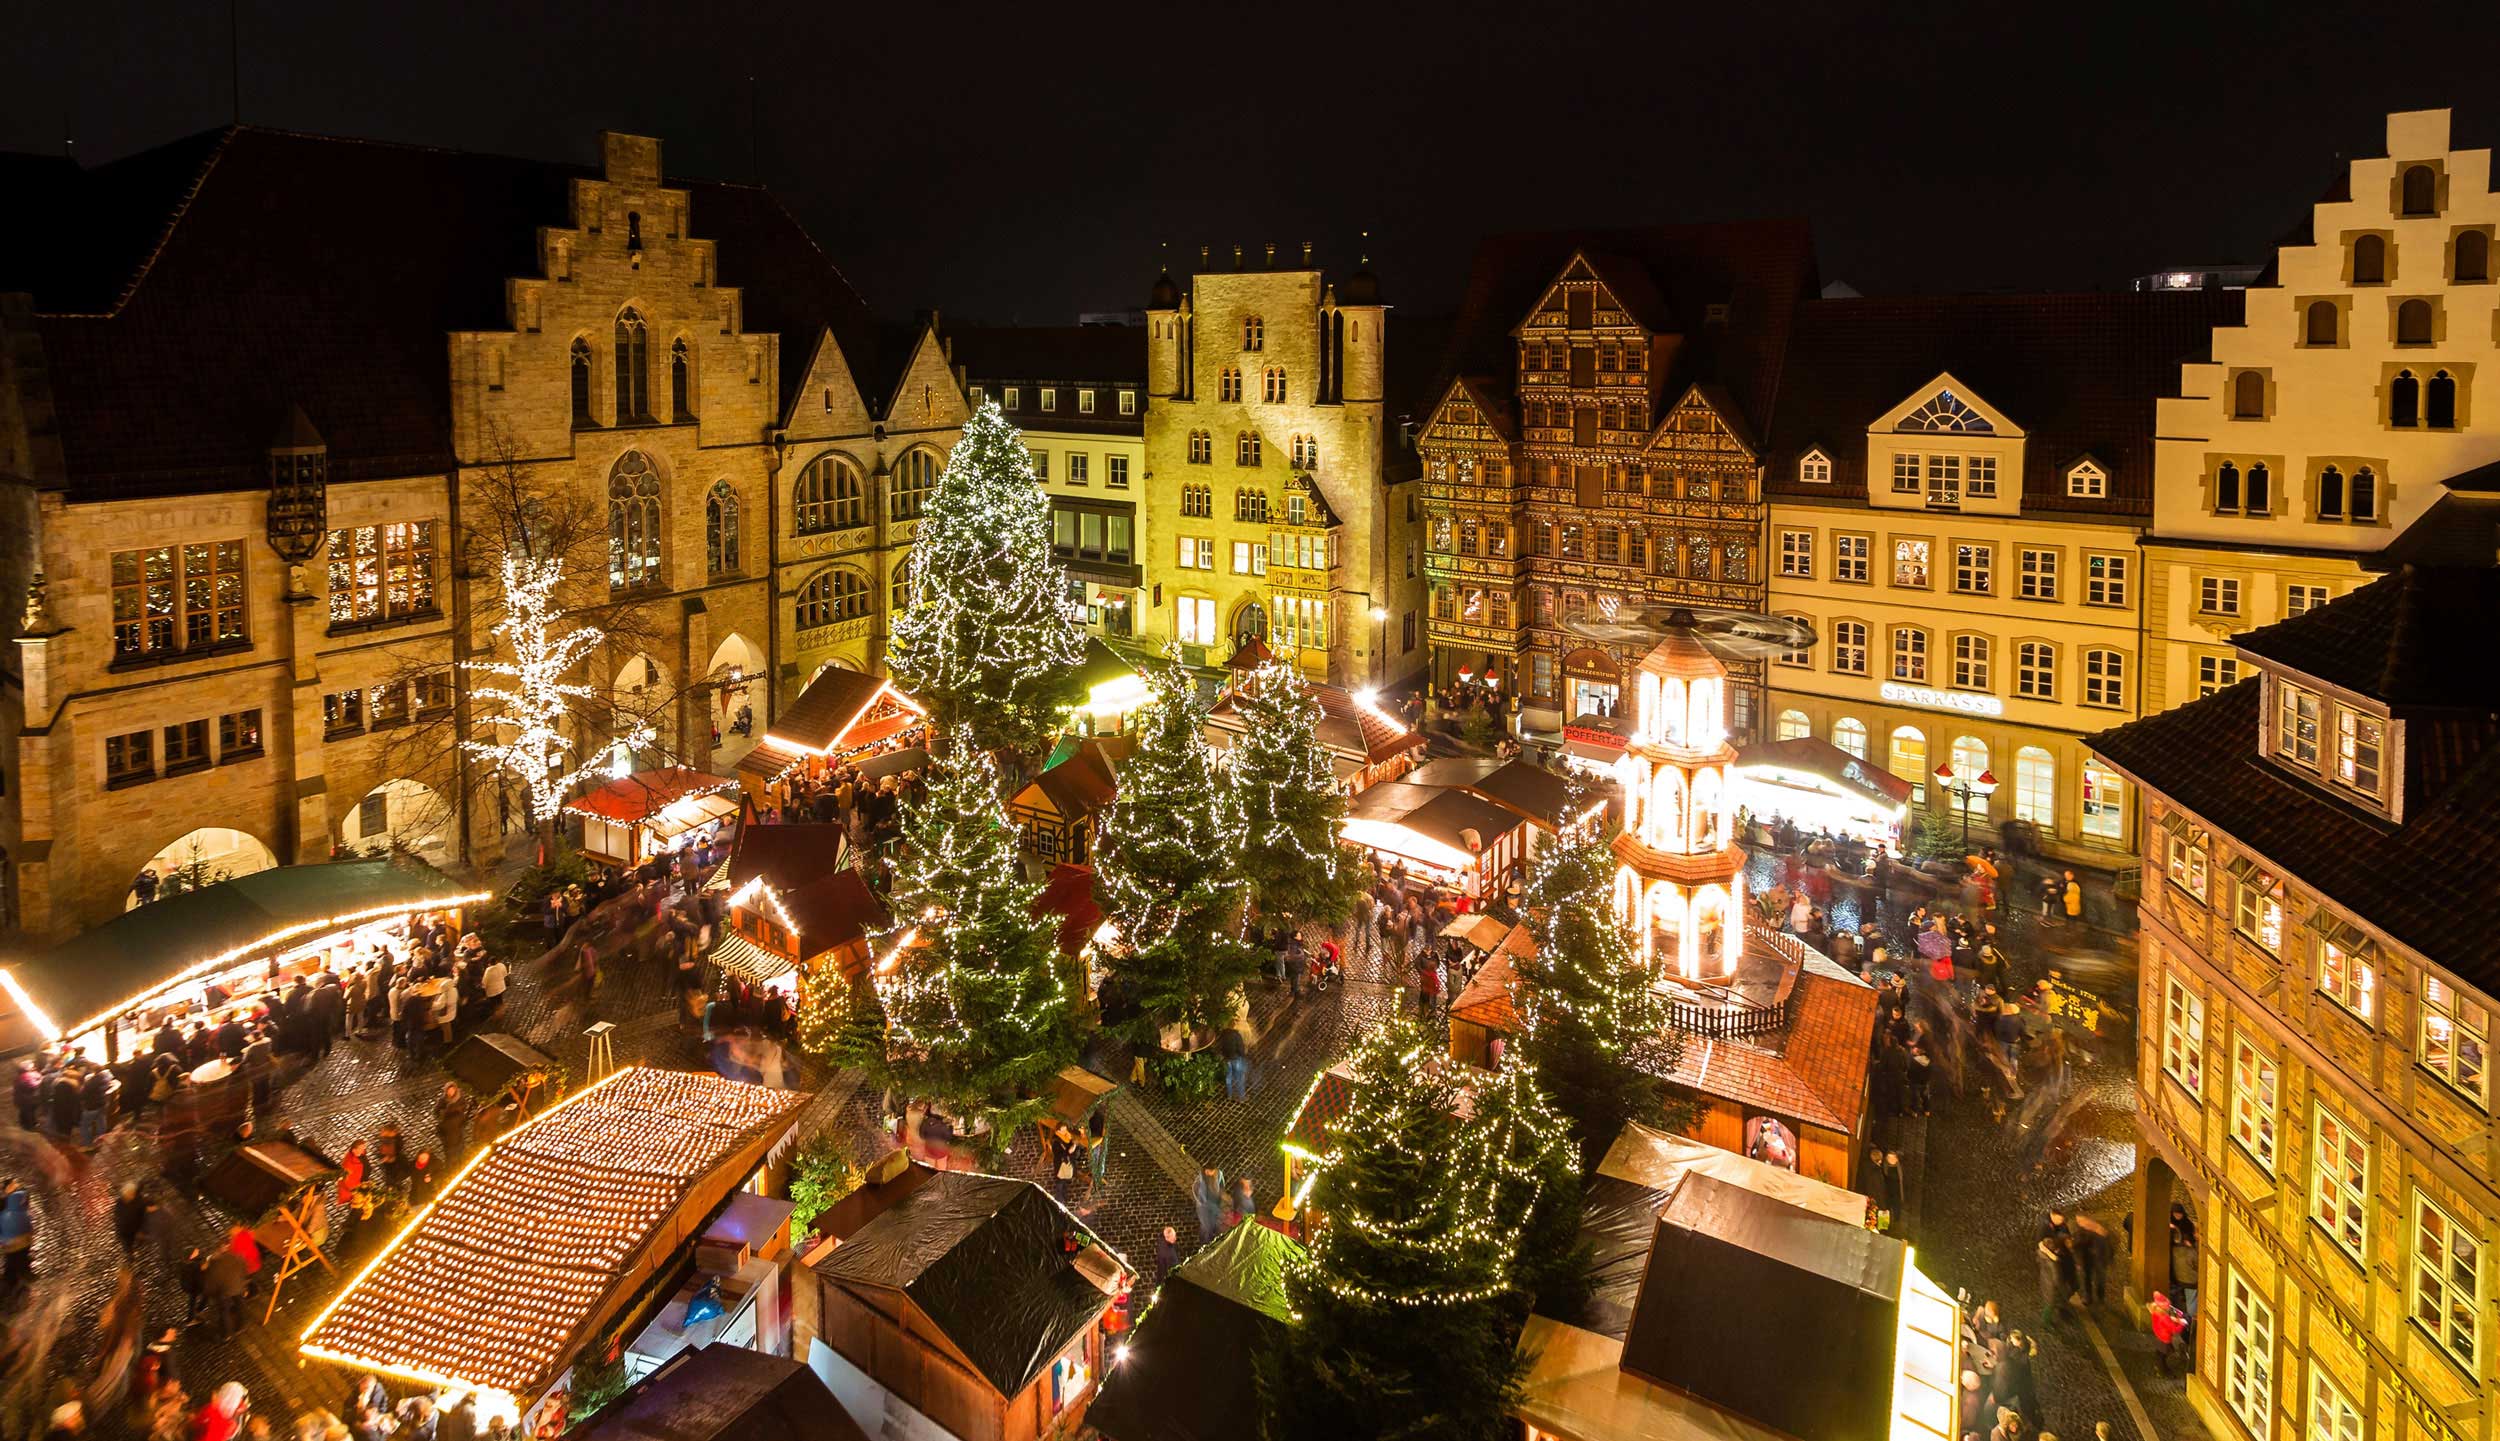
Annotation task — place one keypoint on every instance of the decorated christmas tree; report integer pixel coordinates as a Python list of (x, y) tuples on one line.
[(1292, 809), (1405, 1312), (1590, 1021), (970, 1006), (1170, 880), (987, 641), (1534, 1165)]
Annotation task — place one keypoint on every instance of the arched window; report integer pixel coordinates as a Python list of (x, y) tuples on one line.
[(1201, 448), (2369, 260), (2248, 395), (1908, 760), (1246, 448), (2472, 259), (581, 384), (2323, 325), (1849, 733), (914, 477), (1272, 385), (2330, 494), (898, 590), (2404, 399), (2413, 323), (720, 530), (2260, 490), (2364, 498), (828, 496), (831, 597), (2440, 410), (1250, 507), (1228, 383), (1306, 454), (680, 383), (1792, 725), (633, 522), (2420, 191), (633, 368), (2035, 786), (1970, 761), (1253, 333), (2227, 489)]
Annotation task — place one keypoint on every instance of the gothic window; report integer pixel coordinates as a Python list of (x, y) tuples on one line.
[(1945, 411), (2440, 413), (633, 372), (2420, 191), (680, 383), (2364, 494), (828, 496), (2260, 490), (2404, 399), (2330, 494), (1201, 448), (2248, 395), (1272, 385), (914, 478), (2413, 323), (2227, 489), (633, 522), (831, 597), (1228, 383), (2369, 260), (581, 384), (2472, 260), (1253, 333), (2323, 325), (1246, 449), (720, 530)]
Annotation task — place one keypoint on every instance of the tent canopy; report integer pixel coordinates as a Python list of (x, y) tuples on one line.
[(1190, 1370), (642, 796), (1813, 756), (140, 953)]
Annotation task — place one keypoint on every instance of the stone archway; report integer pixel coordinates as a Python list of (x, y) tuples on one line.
[(731, 692), (198, 857), (400, 815)]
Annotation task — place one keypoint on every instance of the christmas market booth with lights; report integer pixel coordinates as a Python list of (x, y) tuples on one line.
[(1365, 743), (197, 955), (1189, 1370), (843, 715), (1056, 812), (797, 908), (1817, 786), (964, 1305), (1707, 1269), (723, 1393), (560, 1239), (1451, 837), (635, 817)]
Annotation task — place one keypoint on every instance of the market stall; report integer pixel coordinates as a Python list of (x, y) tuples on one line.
[(652, 813), (842, 715), (205, 953), (1817, 786), (1189, 1372), (1056, 812), (1452, 837), (1366, 744), (797, 908), (545, 1241)]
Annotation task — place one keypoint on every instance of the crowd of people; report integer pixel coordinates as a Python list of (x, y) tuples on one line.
[(869, 809)]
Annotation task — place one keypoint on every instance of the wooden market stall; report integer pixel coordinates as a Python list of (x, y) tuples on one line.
[(722, 1392), (633, 818), (207, 952), (1057, 811), (1365, 743), (1451, 837), (842, 715), (797, 908), (279, 1185), (969, 1306), (545, 1241), (1190, 1370)]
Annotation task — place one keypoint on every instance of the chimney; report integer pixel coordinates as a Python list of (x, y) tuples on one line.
[(1271, 255), (1306, 255)]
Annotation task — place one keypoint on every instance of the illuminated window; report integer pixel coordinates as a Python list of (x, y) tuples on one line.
[(1228, 383), (2339, 1180), (1909, 654), (830, 597), (1944, 481), (2104, 802), (2455, 1035), (2183, 1036), (1814, 468), (1905, 474), (2256, 910), (2035, 670), (2360, 750), (1246, 448), (1272, 385), (2296, 715), (1852, 558), (2332, 1414), (2087, 481), (172, 598), (2348, 974), (2188, 866), (129, 757), (1980, 481), (2253, 1097), (1849, 734), (1201, 448), (1792, 725), (2104, 678), (633, 369), (2216, 672), (2447, 1281), (914, 477), (1970, 762), (1196, 617), (1909, 563), (2035, 787), (2248, 1359), (1253, 333), (1909, 760), (1849, 647), (1974, 569)]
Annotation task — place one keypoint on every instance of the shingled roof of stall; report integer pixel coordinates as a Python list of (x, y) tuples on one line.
[(1189, 1371)]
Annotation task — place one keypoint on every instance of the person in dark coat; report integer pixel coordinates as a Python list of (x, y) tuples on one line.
[(2014, 1384), (65, 1102), (1206, 1197), (130, 1216), (329, 1012), (223, 1283), (232, 1037), (27, 1091), (451, 1122)]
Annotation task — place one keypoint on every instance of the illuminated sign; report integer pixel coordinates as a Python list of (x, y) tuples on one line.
[(1966, 702)]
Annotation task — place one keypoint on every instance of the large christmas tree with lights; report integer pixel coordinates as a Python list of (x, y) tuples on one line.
[(1590, 1020), (1533, 1164), (987, 640), (1170, 881), (1292, 809), (1405, 1310), (968, 1004)]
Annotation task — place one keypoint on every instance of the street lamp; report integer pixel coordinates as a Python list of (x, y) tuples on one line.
[(1978, 787)]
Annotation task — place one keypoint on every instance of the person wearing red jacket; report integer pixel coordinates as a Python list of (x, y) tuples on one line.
[(2169, 1325)]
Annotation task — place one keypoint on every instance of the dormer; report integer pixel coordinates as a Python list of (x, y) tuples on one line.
[(1945, 449), (1814, 467), (2335, 740), (2086, 479)]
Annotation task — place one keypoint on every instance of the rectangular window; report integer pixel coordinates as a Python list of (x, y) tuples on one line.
[(2302, 599), (2348, 976), (1974, 568), (2039, 577), (1115, 469), (1128, 402), (1798, 658), (1407, 630), (1909, 563), (2105, 679), (1851, 558), (171, 598), (2255, 911), (1909, 654), (1609, 546), (2360, 749), (2188, 866), (1541, 673), (1905, 475), (343, 712), (1944, 481), (1041, 466), (1971, 669), (2035, 670), (1084, 402), (2248, 1359), (2216, 672), (129, 758), (1849, 647), (2296, 713), (2332, 1414), (388, 704), (2183, 1037), (2339, 1180), (433, 692), (1249, 558), (2218, 595), (381, 572), (2104, 579), (1196, 617), (186, 746), (2455, 1037), (2253, 1084), (2035, 787), (1079, 463), (1012, 398), (1050, 399), (238, 735), (2104, 802), (1981, 482), (2447, 1281)]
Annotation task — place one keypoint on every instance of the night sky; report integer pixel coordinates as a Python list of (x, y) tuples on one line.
[(1023, 163)]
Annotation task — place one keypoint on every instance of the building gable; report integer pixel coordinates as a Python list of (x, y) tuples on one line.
[(1705, 419), (1465, 415), (927, 397), (826, 402), (1945, 406), (1621, 294)]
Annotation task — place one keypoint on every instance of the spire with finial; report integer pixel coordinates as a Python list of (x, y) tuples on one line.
[(1165, 294), (1362, 287)]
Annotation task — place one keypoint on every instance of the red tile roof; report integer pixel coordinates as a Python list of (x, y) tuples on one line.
[(1069, 895), (1814, 1071), (644, 793)]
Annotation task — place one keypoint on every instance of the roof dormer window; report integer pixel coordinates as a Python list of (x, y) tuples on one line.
[(1814, 468), (2086, 481)]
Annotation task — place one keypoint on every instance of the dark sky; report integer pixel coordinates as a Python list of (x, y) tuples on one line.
[(1023, 162)]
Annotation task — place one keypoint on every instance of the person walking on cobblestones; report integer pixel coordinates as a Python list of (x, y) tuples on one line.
[(2169, 1326), (2054, 1258), (1234, 1050), (27, 1091), (451, 1123), (224, 1283), (17, 1237), (1206, 1197)]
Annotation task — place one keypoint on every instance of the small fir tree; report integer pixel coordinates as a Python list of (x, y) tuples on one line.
[(971, 1006), (1589, 1019), (1404, 1309), (987, 641), (1169, 877), (1292, 810)]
